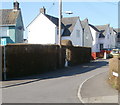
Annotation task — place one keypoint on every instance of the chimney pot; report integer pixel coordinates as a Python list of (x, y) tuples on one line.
[(16, 5), (43, 10)]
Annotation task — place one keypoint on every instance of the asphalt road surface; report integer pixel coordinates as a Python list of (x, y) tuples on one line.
[(55, 87)]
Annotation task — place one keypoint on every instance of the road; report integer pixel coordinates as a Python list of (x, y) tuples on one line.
[(55, 87)]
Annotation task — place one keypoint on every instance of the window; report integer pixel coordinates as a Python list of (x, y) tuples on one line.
[(78, 33), (101, 47)]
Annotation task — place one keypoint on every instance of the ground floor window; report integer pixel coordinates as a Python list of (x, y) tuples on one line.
[(101, 46)]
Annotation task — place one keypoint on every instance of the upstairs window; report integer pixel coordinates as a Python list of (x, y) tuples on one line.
[(77, 33)]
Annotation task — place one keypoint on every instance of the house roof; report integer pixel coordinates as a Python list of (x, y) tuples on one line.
[(8, 39), (55, 20), (94, 27), (84, 23), (101, 29), (117, 30), (8, 17), (85, 26), (69, 24)]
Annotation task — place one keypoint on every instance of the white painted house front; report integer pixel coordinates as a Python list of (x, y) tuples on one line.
[(103, 37), (44, 29), (113, 37), (73, 31), (42, 32)]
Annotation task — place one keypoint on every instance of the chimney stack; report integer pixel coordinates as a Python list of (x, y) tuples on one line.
[(43, 10), (16, 5)]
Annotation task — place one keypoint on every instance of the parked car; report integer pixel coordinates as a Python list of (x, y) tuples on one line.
[(114, 51)]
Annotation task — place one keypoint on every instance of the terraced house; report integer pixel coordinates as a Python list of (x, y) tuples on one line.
[(117, 31), (11, 24), (104, 37), (44, 30)]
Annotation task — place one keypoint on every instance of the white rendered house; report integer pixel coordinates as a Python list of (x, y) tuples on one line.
[(44, 30), (103, 37), (73, 30)]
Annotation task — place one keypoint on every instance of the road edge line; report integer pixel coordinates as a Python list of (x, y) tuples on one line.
[(80, 86)]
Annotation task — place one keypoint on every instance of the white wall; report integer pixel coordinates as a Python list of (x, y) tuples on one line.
[(4, 31), (77, 41), (66, 38), (41, 31), (113, 39), (95, 44), (108, 41)]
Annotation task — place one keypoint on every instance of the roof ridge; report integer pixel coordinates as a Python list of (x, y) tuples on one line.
[(6, 9), (71, 17), (102, 25), (51, 16)]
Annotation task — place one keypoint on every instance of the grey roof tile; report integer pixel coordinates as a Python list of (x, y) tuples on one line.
[(8, 17), (84, 23), (69, 23), (101, 29), (55, 20)]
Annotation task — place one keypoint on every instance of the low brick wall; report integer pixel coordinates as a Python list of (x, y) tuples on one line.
[(114, 72)]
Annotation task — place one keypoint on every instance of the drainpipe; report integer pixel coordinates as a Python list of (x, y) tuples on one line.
[(83, 38)]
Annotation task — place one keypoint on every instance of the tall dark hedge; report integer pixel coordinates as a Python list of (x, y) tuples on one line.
[(78, 55), (28, 59)]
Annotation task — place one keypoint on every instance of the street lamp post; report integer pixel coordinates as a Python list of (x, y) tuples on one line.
[(60, 32), (59, 41), (60, 18)]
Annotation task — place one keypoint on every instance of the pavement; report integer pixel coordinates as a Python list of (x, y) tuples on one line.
[(97, 90), (34, 78), (93, 90)]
